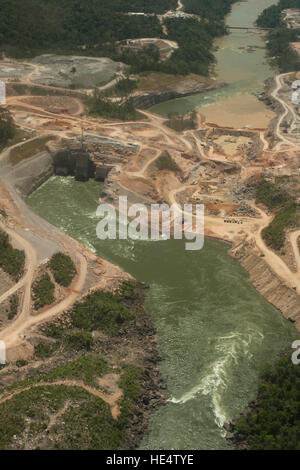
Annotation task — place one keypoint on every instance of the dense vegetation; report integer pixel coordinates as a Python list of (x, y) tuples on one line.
[(64, 26), (98, 105), (43, 291), (195, 53), (146, 6), (83, 421), (63, 269), (12, 261), (36, 26), (271, 195), (195, 40), (86, 423), (287, 217), (101, 311), (274, 424), (278, 40), (7, 127), (213, 10), (274, 196)]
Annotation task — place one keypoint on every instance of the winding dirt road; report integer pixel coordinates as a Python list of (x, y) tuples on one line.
[(111, 400)]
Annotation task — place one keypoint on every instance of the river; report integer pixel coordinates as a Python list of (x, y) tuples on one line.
[(243, 71), (215, 332)]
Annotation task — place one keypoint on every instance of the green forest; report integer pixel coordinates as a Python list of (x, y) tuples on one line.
[(279, 39), (32, 27), (273, 423), (211, 10)]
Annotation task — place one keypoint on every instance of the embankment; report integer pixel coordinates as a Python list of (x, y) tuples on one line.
[(155, 90), (269, 285)]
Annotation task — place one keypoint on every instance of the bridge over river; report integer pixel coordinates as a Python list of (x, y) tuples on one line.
[(248, 28)]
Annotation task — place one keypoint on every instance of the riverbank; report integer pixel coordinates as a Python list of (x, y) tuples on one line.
[(157, 88), (30, 174), (25, 335)]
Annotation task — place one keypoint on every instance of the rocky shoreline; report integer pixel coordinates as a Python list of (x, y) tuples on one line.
[(154, 386), (136, 343), (268, 284), (147, 99)]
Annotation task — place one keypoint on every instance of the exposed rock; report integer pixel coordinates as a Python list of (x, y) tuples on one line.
[(77, 71), (269, 285), (184, 87)]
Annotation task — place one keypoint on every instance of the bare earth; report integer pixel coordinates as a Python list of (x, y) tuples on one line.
[(214, 164)]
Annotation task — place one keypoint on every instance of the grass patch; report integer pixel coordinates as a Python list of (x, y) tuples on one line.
[(28, 149), (63, 269), (274, 234), (12, 261), (43, 291)]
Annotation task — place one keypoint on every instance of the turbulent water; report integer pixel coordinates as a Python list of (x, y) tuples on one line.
[(214, 330)]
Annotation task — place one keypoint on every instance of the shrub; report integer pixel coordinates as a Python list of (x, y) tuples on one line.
[(274, 234), (165, 162), (98, 105), (21, 363), (80, 340), (127, 291), (13, 306), (63, 269), (12, 261), (100, 311), (44, 350), (270, 195), (131, 387), (43, 291)]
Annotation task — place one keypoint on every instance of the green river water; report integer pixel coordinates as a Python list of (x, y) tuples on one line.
[(215, 332)]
